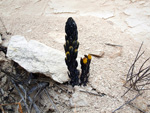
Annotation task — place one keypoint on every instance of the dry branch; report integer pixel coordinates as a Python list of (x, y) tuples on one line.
[(128, 102), (102, 94), (26, 84), (138, 80)]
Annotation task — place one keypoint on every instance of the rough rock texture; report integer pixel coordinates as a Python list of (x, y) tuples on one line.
[(36, 57)]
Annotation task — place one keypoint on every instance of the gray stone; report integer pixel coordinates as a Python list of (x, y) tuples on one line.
[(36, 57)]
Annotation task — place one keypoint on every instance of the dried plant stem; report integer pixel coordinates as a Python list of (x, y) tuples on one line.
[(136, 107), (31, 101), (21, 96), (102, 94), (114, 45), (136, 58), (138, 81), (34, 98), (51, 100), (127, 102)]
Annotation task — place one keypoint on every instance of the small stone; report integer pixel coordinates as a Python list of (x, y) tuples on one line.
[(36, 57)]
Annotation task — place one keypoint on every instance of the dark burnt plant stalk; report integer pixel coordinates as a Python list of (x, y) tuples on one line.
[(85, 66), (71, 50)]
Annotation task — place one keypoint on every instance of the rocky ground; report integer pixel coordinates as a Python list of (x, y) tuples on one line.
[(100, 24)]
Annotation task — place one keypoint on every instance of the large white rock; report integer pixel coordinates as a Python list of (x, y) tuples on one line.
[(36, 57)]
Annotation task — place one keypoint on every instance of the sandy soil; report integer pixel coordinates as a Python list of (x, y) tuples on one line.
[(131, 16), (99, 22)]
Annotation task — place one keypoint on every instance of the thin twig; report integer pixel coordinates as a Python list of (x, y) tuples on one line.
[(126, 91), (102, 94), (127, 102), (40, 85), (113, 45), (31, 101), (136, 58), (21, 95), (136, 108), (51, 100), (34, 98), (141, 79)]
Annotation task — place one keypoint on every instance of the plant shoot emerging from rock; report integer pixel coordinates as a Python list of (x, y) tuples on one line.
[(85, 66), (71, 50)]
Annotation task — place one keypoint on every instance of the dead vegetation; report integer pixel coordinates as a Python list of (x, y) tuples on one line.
[(28, 92), (137, 80)]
